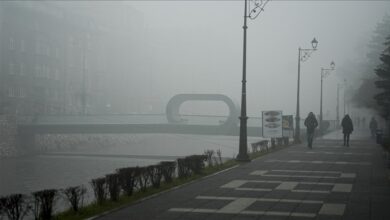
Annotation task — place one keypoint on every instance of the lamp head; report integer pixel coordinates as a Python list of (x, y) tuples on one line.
[(332, 65), (314, 43)]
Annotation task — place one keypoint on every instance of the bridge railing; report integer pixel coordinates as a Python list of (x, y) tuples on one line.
[(132, 119), (97, 119), (144, 119)]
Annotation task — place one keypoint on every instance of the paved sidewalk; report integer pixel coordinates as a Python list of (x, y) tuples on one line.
[(329, 181), (357, 134)]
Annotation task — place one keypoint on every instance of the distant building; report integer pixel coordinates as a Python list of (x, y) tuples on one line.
[(31, 61), (57, 58)]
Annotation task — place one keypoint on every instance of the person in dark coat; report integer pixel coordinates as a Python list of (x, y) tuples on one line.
[(311, 124), (373, 126), (347, 125)]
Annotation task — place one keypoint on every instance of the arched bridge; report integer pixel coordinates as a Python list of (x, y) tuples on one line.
[(173, 107), (171, 122)]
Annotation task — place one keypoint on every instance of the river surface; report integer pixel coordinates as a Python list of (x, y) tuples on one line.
[(56, 170)]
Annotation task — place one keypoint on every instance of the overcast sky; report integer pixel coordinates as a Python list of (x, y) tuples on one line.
[(196, 47)]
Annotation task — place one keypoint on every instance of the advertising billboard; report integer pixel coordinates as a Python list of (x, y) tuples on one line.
[(288, 125), (272, 124)]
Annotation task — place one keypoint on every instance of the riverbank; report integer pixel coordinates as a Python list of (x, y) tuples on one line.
[(63, 169), (60, 169), (46, 143)]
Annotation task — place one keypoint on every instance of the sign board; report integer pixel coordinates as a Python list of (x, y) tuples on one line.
[(272, 124), (288, 125)]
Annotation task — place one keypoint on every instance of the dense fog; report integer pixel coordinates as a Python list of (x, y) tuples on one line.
[(86, 90), (196, 47), (141, 53)]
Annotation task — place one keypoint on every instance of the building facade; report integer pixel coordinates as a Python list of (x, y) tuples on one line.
[(59, 58)]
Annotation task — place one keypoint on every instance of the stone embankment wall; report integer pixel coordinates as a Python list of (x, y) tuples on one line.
[(9, 143), (75, 142), (8, 132)]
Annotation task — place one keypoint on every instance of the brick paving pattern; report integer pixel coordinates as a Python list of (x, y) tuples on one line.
[(329, 181)]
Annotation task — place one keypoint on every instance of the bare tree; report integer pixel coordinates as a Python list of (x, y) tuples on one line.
[(44, 202), (14, 206), (75, 196), (99, 187)]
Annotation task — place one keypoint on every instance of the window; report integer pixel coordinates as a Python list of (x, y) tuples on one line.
[(47, 50), (48, 73), (57, 74), (38, 71), (11, 68), (57, 52), (22, 92), (12, 44), (22, 70), (10, 91), (22, 45), (45, 72), (47, 93), (36, 26), (38, 47), (71, 42), (71, 62), (56, 95)]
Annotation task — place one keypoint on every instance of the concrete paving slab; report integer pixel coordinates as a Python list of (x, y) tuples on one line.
[(296, 186), (332, 209)]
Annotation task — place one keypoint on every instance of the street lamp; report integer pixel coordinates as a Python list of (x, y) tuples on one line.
[(303, 55), (345, 88), (338, 103), (258, 7), (84, 76), (324, 72)]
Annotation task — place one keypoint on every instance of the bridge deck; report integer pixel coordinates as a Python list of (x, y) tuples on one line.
[(132, 119)]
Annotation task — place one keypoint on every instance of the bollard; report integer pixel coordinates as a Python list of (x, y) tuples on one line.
[(272, 142), (286, 141), (379, 136)]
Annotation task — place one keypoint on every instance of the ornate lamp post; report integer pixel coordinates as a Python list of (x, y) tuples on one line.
[(338, 104), (84, 77), (303, 55), (258, 6), (84, 81), (324, 72), (345, 88)]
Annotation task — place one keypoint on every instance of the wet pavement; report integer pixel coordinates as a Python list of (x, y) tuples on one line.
[(329, 181)]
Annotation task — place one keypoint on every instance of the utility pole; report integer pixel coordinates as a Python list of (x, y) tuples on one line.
[(243, 142), (337, 106), (301, 58)]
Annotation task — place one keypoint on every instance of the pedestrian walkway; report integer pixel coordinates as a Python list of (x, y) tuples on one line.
[(357, 134), (329, 181)]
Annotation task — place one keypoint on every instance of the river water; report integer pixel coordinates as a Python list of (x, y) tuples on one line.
[(57, 170)]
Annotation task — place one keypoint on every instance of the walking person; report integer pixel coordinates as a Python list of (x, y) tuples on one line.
[(373, 126), (364, 122), (358, 122), (347, 125), (311, 124)]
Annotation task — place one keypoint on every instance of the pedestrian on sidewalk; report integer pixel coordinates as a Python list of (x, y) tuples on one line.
[(311, 124), (347, 125), (373, 126), (364, 122), (358, 122)]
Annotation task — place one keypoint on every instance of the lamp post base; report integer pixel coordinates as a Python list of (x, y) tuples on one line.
[(297, 141), (243, 158), (297, 138)]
